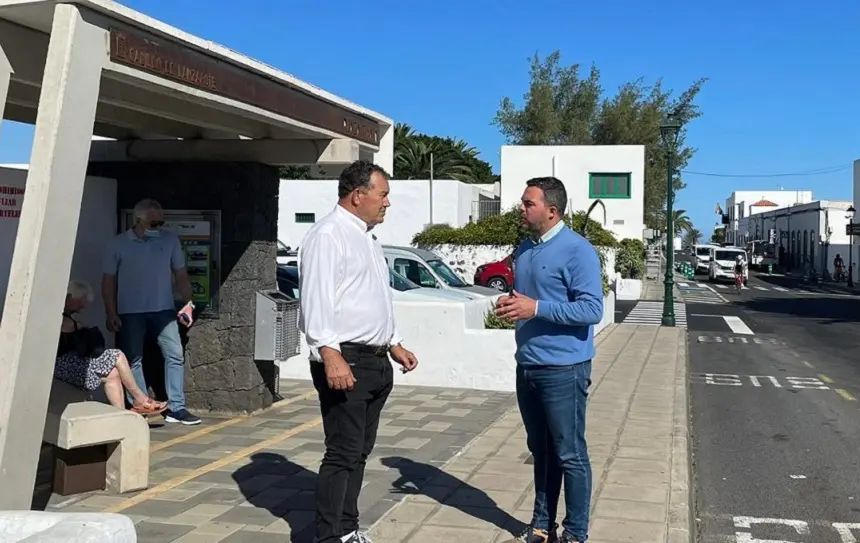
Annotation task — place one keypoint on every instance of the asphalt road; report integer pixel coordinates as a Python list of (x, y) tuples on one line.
[(775, 415)]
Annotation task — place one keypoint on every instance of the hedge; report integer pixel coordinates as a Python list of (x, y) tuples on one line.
[(506, 229), (630, 258)]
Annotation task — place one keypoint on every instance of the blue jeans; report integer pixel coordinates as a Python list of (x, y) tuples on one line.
[(552, 403), (136, 327)]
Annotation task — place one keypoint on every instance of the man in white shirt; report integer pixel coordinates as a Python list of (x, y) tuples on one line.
[(348, 320)]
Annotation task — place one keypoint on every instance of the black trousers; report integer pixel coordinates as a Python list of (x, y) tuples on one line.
[(350, 421)]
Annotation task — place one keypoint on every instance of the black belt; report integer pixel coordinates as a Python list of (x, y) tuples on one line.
[(377, 350)]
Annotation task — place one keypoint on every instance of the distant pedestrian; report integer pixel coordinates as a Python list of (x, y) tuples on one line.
[(348, 319), (557, 298), (140, 268)]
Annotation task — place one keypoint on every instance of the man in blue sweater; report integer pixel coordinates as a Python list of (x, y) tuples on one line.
[(556, 301)]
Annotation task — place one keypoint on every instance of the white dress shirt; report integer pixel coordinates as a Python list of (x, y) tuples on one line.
[(344, 285)]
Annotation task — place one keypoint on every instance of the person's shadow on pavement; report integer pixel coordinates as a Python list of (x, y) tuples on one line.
[(292, 500), (444, 488)]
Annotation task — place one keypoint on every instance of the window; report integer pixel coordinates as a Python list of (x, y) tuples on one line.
[(415, 272), (609, 185), (306, 218)]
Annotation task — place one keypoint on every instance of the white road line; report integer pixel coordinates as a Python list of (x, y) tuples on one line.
[(780, 289), (738, 326), (704, 315), (759, 288), (684, 285)]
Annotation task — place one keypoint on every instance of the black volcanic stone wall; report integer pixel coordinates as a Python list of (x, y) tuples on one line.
[(221, 374)]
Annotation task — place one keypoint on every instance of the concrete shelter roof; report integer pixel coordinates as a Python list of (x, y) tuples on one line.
[(159, 82)]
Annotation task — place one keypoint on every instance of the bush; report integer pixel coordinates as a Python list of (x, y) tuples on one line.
[(492, 322), (630, 258), (507, 230)]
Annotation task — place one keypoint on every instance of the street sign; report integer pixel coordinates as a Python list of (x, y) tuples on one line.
[(852, 229)]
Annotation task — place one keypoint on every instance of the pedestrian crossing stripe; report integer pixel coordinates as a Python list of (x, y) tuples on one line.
[(650, 313)]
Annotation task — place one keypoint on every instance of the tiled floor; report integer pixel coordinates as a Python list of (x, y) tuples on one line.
[(252, 479)]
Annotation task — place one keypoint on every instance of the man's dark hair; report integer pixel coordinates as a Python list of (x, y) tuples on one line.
[(554, 193), (357, 176)]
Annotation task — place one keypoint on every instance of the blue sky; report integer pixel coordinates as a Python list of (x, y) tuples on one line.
[(782, 96)]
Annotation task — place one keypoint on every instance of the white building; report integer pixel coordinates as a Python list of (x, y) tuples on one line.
[(614, 174), (743, 204), (814, 231), (453, 202)]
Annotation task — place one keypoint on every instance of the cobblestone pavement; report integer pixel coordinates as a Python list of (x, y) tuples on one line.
[(449, 464), (251, 479)]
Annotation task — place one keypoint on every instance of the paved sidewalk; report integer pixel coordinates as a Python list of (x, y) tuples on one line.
[(450, 464), (637, 436), (654, 290)]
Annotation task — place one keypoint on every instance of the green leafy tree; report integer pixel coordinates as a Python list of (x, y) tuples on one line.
[(452, 158), (564, 106), (294, 172), (719, 236)]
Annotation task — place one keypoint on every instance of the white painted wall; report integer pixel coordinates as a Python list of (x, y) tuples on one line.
[(409, 212), (96, 227), (452, 346), (573, 164)]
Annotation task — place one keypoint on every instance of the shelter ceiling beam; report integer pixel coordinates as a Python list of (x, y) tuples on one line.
[(275, 152)]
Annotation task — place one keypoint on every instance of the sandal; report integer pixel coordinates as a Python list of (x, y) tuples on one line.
[(149, 407)]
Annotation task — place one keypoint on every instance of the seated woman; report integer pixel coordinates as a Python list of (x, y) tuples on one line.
[(84, 362)]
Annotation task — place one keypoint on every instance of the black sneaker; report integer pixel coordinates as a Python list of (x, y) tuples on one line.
[(183, 416), (531, 535)]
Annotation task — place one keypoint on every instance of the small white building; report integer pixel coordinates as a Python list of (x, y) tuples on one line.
[(614, 174), (743, 204), (814, 231), (453, 202)]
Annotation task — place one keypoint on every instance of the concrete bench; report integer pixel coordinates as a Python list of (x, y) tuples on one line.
[(73, 423)]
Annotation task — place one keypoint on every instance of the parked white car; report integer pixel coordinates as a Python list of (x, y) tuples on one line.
[(722, 263), (286, 255), (426, 269), (404, 289)]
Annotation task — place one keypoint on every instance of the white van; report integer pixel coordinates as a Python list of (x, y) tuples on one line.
[(722, 263), (702, 257)]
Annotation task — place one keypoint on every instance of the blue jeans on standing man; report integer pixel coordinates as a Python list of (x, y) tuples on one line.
[(136, 327), (552, 403)]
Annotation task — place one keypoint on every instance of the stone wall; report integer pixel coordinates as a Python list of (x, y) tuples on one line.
[(221, 373), (465, 259)]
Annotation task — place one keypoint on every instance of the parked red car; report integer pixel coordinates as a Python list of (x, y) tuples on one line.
[(498, 275)]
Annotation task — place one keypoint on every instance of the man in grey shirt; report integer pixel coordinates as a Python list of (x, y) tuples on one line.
[(140, 268)]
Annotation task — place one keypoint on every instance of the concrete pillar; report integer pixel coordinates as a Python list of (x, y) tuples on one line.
[(385, 156), (43, 249), (5, 77)]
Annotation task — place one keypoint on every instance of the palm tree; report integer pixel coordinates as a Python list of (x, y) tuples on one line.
[(692, 237), (683, 224), (452, 158)]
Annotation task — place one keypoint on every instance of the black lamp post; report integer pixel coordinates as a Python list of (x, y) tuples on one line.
[(850, 218), (669, 131)]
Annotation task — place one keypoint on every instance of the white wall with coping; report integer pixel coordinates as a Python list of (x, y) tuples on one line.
[(409, 212), (96, 227), (452, 345), (625, 217), (740, 205)]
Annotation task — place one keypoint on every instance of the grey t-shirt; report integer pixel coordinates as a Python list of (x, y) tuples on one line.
[(144, 271)]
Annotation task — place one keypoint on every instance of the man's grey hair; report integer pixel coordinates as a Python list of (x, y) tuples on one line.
[(144, 207), (554, 193), (80, 290)]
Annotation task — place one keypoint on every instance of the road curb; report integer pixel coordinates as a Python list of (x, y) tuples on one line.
[(681, 497)]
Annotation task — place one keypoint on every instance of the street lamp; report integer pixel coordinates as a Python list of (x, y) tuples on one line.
[(850, 218), (669, 132)]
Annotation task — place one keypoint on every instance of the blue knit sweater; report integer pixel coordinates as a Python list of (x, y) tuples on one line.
[(563, 275)]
